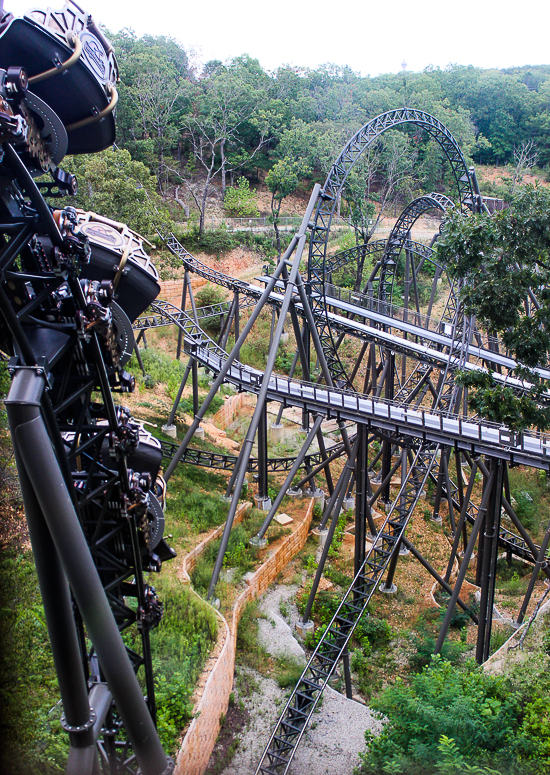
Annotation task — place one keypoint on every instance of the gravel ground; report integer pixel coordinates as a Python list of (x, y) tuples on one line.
[(332, 744)]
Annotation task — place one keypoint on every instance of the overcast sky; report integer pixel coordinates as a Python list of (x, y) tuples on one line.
[(371, 38)]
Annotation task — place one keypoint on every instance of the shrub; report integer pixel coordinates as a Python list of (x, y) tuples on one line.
[(208, 295), (376, 631), (476, 710), (217, 241), (240, 201)]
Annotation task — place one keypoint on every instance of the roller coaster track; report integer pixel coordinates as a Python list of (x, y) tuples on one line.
[(161, 318), (353, 305), (200, 457), (303, 700), (475, 435)]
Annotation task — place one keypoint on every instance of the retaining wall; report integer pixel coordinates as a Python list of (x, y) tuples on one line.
[(171, 290), (230, 409), (201, 736)]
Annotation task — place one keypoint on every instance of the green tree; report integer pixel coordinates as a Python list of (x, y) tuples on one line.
[(112, 184), (282, 180), (154, 89), (224, 128), (504, 263)]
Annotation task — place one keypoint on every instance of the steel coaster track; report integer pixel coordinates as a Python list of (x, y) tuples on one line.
[(172, 315), (439, 427), (399, 235), (202, 270), (508, 539), (166, 313), (320, 264), (297, 393), (476, 435), (301, 704), (303, 394), (159, 318), (200, 457)]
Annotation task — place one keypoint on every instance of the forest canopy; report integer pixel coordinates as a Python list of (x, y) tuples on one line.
[(198, 129)]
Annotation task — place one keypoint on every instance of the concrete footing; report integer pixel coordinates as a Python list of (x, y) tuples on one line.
[(262, 503), (277, 433), (304, 628), (349, 503), (322, 536), (294, 492), (258, 542)]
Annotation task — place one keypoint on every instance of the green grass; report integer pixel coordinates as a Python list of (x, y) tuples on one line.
[(531, 492), (180, 646), (239, 555), (288, 671), (194, 499), (31, 736)]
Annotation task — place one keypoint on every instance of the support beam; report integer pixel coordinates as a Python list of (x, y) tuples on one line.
[(293, 277), (465, 563), (492, 525), (262, 455)]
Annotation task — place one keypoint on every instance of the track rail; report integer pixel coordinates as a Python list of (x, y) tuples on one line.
[(303, 700)]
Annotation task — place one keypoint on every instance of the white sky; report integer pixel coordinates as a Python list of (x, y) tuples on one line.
[(371, 40)]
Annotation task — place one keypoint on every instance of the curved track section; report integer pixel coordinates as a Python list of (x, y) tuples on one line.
[(320, 263), (479, 436)]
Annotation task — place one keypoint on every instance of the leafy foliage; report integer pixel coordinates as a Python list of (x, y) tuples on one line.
[(506, 257), (208, 295), (112, 184), (180, 645), (240, 201), (476, 711), (32, 740)]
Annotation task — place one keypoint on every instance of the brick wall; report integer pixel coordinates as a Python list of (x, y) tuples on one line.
[(171, 290), (227, 413), (201, 736)]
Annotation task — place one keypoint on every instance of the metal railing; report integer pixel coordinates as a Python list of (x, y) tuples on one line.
[(471, 433)]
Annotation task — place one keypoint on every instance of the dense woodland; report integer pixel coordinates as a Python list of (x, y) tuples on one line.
[(229, 122)]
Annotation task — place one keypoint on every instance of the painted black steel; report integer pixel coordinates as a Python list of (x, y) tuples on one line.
[(88, 472)]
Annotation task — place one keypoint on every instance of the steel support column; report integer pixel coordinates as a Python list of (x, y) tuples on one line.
[(490, 554), (262, 454)]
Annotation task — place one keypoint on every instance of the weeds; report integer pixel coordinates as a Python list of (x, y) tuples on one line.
[(288, 671)]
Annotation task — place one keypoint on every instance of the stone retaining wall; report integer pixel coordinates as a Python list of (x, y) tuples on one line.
[(201, 736)]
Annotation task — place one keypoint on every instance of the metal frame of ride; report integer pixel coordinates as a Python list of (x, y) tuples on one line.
[(73, 288), (89, 474)]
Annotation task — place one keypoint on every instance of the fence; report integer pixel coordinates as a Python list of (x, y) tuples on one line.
[(292, 222)]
